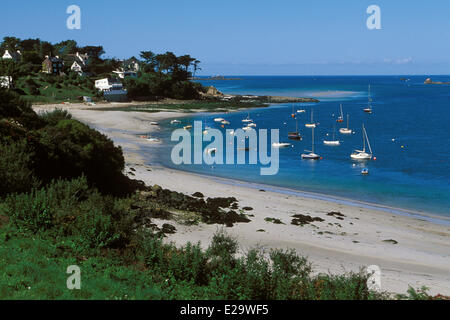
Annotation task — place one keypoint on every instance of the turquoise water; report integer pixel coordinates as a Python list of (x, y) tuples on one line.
[(414, 177)]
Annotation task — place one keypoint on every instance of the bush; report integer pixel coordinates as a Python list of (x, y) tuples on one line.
[(74, 149), (16, 174), (12, 106), (53, 117)]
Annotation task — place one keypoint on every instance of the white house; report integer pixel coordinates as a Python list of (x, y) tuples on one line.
[(78, 68), (5, 82), (12, 55), (122, 74), (80, 62), (112, 89)]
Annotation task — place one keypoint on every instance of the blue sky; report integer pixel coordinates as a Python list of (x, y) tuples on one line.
[(253, 37)]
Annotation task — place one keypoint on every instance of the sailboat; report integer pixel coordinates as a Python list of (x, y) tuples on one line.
[(312, 124), (281, 144), (362, 154), (345, 130), (333, 142), (341, 117), (295, 135), (311, 155), (247, 119), (369, 105)]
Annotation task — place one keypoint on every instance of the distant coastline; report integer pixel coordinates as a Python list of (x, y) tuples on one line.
[(214, 78)]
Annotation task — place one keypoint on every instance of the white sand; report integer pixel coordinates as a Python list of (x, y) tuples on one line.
[(421, 256)]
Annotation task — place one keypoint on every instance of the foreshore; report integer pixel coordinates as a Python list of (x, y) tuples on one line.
[(408, 250)]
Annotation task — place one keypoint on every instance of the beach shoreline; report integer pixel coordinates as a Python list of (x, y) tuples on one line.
[(409, 251)]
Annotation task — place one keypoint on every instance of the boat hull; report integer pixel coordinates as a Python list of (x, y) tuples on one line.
[(345, 131), (332, 143), (361, 156), (310, 156)]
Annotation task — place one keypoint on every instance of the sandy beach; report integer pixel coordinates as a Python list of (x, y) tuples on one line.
[(418, 256)]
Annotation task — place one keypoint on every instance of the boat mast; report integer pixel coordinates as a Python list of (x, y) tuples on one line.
[(347, 121), (313, 140), (364, 138), (368, 143)]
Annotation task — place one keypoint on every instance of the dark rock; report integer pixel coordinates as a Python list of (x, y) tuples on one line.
[(168, 228), (247, 208), (301, 219), (391, 241), (198, 195), (336, 214), (273, 220)]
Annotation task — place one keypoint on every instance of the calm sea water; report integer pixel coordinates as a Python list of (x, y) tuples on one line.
[(409, 132)]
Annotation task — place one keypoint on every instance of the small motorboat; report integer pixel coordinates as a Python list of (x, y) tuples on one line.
[(224, 122), (252, 124), (301, 111), (154, 123), (219, 119), (365, 171), (281, 144), (187, 127), (153, 140), (175, 122), (247, 128)]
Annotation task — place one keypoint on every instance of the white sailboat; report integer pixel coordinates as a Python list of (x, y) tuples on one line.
[(247, 119), (312, 124), (345, 130), (333, 142), (219, 119), (369, 104), (362, 154), (311, 155), (281, 144)]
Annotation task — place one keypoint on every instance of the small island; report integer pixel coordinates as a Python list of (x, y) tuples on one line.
[(429, 81)]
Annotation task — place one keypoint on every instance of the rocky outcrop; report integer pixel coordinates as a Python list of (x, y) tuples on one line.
[(429, 81)]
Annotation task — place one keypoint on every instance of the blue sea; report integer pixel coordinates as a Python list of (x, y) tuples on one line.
[(409, 131)]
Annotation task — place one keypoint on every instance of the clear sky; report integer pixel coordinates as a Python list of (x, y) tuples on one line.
[(253, 37)]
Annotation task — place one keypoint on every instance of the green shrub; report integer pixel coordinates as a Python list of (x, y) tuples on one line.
[(53, 117), (16, 174)]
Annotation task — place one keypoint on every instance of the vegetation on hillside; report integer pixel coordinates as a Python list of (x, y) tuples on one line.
[(158, 75)]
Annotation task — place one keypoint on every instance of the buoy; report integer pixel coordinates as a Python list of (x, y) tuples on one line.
[(375, 158), (403, 146), (321, 158)]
